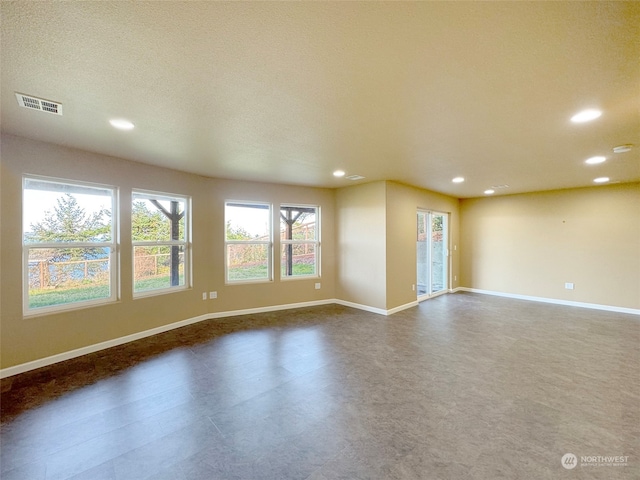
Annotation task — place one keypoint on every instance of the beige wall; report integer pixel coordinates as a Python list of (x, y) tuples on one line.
[(31, 338), (402, 204), (377, 241), (522, 244), (532, 244), (361, 240)]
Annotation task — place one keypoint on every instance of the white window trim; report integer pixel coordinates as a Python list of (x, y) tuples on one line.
[(186, 244), (112, 245), (269, 244), (316, 243)]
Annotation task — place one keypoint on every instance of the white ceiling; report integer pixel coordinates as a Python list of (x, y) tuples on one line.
[(289, 92)]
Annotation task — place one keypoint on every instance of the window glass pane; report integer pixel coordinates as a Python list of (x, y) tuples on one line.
[(59, 276), (248, 222), (298, 223), (247, 262), (162, 219), (422, 230), (152, 267), (157, 219), (56, 212), (298, 259)]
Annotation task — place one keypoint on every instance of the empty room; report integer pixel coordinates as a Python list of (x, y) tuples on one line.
[(319, 240)]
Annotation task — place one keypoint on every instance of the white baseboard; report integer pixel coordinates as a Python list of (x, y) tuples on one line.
[(43, 362), (402, 307), (272, 308), (60, 357), (359, 306), (594, 306), (379, 311)]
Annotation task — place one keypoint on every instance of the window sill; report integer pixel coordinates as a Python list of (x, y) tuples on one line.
[(46, 311), (299, 277), (247, 282), (159, 291)]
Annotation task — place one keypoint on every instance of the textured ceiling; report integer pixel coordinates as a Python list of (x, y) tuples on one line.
[(289, 92)]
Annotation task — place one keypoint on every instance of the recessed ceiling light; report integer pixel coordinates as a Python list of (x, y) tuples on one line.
[(623, 148), (595, 160), (121, 124), (586, 115), (338, 173), (458, 180), (601, 180), (489, 192)]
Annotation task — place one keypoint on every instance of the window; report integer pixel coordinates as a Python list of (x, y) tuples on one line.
[(299, 239), (69, 244), (160, 239), (248, 242)]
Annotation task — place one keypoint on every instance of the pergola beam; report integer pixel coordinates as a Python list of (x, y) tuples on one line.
[(174, 217)]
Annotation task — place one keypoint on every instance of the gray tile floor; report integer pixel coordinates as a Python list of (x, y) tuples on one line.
[(464, 386)]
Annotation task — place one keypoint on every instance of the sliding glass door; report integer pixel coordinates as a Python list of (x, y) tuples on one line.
[(432, 253)]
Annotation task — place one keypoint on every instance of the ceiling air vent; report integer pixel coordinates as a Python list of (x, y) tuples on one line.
[(354, 177), (34, 103)]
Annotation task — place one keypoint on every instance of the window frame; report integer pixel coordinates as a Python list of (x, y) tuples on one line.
[(268, 242), (113, 246), (186, 243), (316, 243)]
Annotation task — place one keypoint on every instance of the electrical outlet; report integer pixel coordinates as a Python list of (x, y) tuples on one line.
[(204, 295), (213, 295), (455, 278), (317, 286), (569, 286), (413, 287)]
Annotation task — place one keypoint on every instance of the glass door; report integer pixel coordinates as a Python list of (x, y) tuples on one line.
[(423, 254), (439, 252), (432, 254)]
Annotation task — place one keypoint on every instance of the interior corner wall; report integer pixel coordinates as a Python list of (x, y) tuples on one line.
[(361, 244), (26, 339), (402, 204), (376, 241), (532, 244)]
